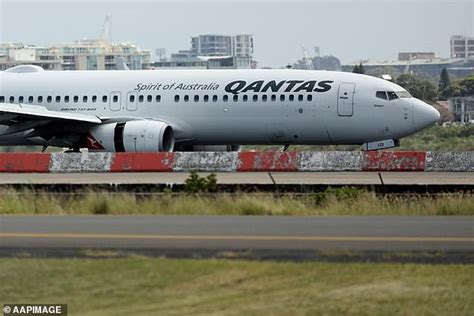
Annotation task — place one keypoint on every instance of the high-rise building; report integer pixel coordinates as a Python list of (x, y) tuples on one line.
[(462, 46), (222, 45), (213, 51)]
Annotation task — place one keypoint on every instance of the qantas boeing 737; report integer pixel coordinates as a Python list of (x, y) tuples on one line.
[(203, 110)]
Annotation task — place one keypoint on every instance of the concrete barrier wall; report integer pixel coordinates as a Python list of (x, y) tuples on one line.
[(450, 160), (24, 162), (238, 161)]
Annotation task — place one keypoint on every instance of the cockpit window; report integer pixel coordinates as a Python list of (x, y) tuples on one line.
[(392, 95), (403, 94), (381, 95)]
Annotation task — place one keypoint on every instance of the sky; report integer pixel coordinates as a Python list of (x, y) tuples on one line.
[(349, 30)]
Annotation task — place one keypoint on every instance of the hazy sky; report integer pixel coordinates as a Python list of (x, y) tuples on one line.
[(349, 30)]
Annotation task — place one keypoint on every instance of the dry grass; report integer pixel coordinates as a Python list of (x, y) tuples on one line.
[(335, 202)]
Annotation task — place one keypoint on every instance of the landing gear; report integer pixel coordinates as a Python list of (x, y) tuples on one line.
[(284, 148), (73, 150)]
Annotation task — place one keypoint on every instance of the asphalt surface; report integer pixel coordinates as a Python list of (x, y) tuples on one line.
[(330, 178), (227, 233)]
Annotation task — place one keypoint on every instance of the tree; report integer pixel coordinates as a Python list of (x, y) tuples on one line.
[(418, 87), (359, 69), (444, 86), (463, 87)]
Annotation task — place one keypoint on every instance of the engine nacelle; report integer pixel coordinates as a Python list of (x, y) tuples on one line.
[(209, 148), (132, 136)]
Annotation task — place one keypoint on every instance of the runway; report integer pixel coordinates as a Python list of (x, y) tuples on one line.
[(330, 178), (192, 235)]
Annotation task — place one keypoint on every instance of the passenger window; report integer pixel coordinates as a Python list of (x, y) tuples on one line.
[(392, 95), (76, 99), (196, 98), (94, 98), (115, 98), (58, 99), (49, 99), (141, 98), (282, 97), (104, 98), (274, 97), (214, 98), (149, 98), (20, 99), (206, 98), (84, 99), (235, 98), (12, 99), (186, 98), (176, 98), (131, 99), (2, 99), (30, 99), (309, 97), (225, 98), (158, 98), (255, 98), (40, 99), (300, 97), (291, 97), (245, 97), (66, 99), (264, 98), (381, 95)]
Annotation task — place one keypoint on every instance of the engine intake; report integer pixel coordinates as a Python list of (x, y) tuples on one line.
[(132, 136)]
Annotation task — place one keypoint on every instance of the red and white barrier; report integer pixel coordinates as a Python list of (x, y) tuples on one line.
[(238, 161), (24, 162)]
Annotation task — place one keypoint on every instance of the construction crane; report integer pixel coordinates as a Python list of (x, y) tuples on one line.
[(307, 61), (107, 28)]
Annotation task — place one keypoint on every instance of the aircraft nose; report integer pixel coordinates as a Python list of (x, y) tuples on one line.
[(424, 115)]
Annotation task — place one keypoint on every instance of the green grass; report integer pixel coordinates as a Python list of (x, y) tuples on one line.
[(345, 201), (436, 138), (146, 286)]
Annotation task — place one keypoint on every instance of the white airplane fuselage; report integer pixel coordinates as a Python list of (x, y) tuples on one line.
[(223, 107)]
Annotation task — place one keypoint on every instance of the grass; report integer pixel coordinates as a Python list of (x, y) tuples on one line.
[(146, 286), (346, 201), (436, 138)]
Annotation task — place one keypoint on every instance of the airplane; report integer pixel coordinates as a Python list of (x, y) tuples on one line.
[(203, 110)]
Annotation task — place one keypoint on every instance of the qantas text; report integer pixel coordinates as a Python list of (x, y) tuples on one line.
[(241, 86)]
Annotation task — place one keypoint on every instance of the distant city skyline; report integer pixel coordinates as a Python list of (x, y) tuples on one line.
[(349, 30)]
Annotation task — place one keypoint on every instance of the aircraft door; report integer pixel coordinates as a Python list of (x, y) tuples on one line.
[(115, 101), (132, 101), (345, 99)]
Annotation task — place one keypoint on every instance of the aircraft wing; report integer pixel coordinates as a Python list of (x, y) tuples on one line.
[(22, 117)]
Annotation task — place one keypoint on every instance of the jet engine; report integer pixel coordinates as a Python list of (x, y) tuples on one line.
[(131, 136)]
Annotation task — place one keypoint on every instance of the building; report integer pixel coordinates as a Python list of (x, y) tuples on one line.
[(462, 46), (80, 55), (14, 54), (462, 108), (222, 45), (456, 67), (416, 55), (213, 51), (205, 62)]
